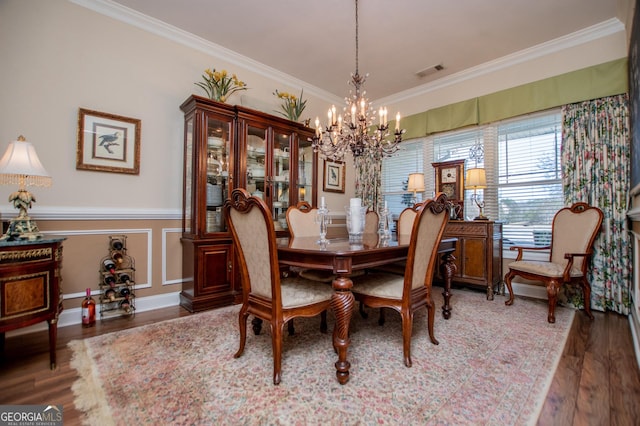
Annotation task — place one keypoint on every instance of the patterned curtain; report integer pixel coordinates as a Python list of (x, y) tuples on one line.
[(369, 181), (596, 170)]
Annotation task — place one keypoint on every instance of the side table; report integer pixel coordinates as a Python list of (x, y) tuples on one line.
[(30, 290)]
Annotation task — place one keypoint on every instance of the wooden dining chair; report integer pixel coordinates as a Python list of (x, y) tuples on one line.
[(573, 232), (264, 294), (301, 220), (405, 294)]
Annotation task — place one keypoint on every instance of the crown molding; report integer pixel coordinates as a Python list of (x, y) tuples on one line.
[(160, 28), (155, 26), (603, 29)]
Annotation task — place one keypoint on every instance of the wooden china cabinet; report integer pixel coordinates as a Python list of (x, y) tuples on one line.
[(228, 147)]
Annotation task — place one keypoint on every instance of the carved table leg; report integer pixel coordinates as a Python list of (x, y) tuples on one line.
[(490, 291), (448, 269), (342, 303), (257, 325)]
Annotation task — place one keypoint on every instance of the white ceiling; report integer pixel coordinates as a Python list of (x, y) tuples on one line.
[(314, 40)]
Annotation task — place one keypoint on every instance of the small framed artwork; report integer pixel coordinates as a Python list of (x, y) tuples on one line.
[(333, 176), (108, 142)]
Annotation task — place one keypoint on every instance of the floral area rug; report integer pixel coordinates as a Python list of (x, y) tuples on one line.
[(493, 366)]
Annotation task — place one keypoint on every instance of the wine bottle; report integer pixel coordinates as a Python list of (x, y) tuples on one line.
[(109, 266), (116, 244), (117, 257), (110, 281), (88, 310), (124, 278), (125, 292), (125, 305), (110, 294)]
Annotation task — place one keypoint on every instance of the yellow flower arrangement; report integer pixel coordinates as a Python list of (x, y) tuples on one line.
[(219, 85), (291, 106)]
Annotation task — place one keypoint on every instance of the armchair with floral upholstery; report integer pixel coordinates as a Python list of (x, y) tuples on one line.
[(573, 232)]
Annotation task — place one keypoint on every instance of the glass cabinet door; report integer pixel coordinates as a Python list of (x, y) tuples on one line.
[(304, 185), (187, 218), (218, 184), (281, 176), (256, 161)]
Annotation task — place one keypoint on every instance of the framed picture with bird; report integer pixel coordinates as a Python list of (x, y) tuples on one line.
[(108, 142)]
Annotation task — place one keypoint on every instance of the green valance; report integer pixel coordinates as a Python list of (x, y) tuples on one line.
[(453, 116), (607, 79), (594, 82)]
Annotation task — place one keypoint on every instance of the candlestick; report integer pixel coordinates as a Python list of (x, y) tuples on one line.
[(323, 219)]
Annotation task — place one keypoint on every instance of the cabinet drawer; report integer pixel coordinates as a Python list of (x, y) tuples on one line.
[(460, 229)]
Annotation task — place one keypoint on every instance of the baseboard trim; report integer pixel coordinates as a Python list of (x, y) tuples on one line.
[(528, 290), (74, 317)]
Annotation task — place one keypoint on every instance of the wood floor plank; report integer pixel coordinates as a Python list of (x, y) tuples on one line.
[(624, 377), (592, 404)]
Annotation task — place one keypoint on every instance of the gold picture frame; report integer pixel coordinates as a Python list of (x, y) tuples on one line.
[(334, 174), (108, 142)]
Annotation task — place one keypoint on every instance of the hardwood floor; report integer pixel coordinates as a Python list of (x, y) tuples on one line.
[(597, 381)]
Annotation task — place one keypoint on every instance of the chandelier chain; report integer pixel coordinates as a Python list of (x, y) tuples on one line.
[(357, 38)]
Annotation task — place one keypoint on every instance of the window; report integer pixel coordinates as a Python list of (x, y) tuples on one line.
[(395, 175), (522, 159), (529, 178)]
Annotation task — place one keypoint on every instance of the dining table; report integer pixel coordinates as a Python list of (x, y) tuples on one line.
[(344, 256)]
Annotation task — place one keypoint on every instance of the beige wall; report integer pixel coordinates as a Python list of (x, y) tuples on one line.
[(58, 56), (154, 245)]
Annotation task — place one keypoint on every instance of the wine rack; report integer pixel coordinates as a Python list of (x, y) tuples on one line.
[(117, 280)]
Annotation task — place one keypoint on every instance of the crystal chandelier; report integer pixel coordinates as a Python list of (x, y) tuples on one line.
[(362, 130)]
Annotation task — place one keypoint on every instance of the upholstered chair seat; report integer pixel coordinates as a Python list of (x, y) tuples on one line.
[(298, 291), (546, 269)]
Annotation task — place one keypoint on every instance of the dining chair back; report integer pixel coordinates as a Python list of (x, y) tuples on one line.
[(264, 294), (371, 222), (406, 219), (301, 220), (405, 294), (573, 232)]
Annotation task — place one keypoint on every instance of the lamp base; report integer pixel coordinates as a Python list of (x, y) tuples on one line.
[(22, 228), (480, 218)]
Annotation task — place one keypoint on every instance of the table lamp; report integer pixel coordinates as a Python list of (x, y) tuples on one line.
[(416, 184), (20, 165), (476, 179)]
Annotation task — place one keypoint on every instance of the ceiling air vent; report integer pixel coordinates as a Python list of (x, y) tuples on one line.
[(430, 70)]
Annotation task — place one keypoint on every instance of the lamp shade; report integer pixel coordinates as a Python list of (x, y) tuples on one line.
[(476, 179), (20, 165), (416, 182)]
